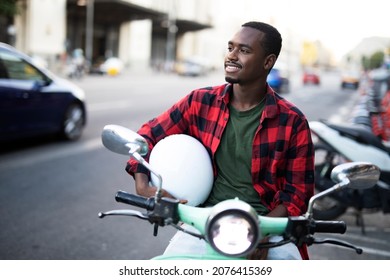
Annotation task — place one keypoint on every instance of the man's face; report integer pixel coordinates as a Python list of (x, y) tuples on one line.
[(245, 61)]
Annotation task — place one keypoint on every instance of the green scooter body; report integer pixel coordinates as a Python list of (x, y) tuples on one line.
[(197, 217)]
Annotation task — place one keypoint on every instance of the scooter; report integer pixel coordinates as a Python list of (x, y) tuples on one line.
[(335, 144), (216, 224), (232, 229)]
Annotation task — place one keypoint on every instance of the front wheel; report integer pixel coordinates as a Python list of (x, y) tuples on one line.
[(73, 122), (328, 207)]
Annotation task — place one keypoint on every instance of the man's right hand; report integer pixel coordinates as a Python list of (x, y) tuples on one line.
[(143, 188)]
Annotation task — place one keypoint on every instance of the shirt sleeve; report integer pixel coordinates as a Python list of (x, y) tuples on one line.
[(172, 121), (298, 185)]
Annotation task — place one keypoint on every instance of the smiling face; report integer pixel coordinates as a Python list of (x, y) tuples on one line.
[(246, 60)]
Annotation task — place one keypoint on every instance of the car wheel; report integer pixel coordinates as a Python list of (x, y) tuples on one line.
[(73, 122), (328, 207)]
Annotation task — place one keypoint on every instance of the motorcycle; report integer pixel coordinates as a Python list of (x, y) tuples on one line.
[(335, 144), (232, 229)]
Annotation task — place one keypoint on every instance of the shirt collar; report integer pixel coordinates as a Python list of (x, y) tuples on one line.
[(225, 95), (270, 110)]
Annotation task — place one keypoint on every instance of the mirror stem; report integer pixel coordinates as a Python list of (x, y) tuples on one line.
[(342, 184), (142, 161)]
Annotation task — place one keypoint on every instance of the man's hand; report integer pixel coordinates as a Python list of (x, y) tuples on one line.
[(142, 188)]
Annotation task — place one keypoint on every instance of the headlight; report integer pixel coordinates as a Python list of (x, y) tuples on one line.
[(232, 228)]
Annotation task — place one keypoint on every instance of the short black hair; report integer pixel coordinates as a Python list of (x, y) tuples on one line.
[(272, 42)]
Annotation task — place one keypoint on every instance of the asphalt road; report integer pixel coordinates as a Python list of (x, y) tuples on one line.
[(51, 192)]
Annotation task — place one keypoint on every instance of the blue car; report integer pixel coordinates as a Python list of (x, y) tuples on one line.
[(34, 102), (277, 81)]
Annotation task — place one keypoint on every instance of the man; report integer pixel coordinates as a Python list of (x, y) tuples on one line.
[(260, 144)]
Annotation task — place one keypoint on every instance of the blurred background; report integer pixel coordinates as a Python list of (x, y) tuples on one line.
[(183, 36), (90, 63)]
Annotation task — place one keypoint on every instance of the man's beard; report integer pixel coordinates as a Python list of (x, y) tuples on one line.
[(232, 80)]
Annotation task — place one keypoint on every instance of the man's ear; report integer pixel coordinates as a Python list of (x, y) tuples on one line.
[(269, 61)]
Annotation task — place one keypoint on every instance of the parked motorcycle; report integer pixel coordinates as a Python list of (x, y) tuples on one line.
[(76, 66), (216, 224), (335, 144)]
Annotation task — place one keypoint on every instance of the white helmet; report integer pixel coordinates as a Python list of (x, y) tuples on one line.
[(185, 168)]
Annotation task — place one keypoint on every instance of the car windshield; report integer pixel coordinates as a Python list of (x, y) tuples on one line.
[(18, 69)]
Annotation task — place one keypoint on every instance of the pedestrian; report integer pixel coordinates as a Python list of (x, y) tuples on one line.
[(260, 143)]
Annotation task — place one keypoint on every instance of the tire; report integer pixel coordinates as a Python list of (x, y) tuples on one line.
[(73, 122), (328, 207)]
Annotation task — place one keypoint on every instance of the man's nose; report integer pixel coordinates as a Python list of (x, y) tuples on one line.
[(232, 55)]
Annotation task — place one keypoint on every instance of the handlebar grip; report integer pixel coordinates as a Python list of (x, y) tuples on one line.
[(330, 226), (135, 200)]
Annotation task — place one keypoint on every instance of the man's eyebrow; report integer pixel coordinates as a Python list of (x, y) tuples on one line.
[(241, 45)]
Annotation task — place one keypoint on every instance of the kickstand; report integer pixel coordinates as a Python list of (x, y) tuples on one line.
[(360, 221)]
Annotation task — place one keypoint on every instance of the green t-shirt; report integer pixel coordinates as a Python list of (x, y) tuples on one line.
[(234, 157)]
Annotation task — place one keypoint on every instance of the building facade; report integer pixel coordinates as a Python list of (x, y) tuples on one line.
[(142, 33)]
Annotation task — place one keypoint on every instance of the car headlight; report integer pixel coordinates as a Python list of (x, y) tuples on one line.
[(232, 228)]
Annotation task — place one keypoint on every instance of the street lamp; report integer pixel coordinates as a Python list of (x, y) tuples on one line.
[(171, 33), (89, 31)]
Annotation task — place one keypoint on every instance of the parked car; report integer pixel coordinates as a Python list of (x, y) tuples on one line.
[(34, 101), (112, 66), (192, 66), (279, 82), (350, 79), (310, 77)]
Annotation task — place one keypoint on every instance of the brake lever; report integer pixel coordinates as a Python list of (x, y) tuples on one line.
[(359, 251), (127, 212), (273, 244)]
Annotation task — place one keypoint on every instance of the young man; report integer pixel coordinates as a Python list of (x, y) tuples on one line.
[(260, 144)]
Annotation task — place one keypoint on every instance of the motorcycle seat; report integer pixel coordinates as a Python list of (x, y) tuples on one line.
[(359, 134)]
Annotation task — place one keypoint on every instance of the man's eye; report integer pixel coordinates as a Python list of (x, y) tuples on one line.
[(244, 51)]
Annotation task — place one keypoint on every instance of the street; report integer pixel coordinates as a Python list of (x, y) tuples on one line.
[(51, 192)]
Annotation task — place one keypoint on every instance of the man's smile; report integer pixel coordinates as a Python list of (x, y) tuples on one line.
[(232, 67)]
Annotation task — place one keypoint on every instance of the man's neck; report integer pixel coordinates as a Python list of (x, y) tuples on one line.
[(245, 97)]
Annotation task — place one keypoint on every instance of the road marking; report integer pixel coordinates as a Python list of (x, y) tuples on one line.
[(108, 106), (78, 148)]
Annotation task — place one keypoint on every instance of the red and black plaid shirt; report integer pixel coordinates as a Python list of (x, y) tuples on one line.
[(282, 156)]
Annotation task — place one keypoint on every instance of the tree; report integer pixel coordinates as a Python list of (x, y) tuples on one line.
[(365, 62), (377, 59), (8, 8)]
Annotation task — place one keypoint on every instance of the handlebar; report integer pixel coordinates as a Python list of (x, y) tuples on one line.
[(298, 229), (135, 200), (329, 226), (149, 204)]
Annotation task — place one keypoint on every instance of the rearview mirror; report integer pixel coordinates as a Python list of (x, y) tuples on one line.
[(124, 141), (356, 175), (361, 175)]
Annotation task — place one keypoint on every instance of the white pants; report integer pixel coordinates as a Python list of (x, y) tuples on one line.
[(183, 243)]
